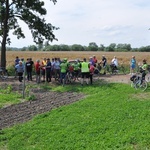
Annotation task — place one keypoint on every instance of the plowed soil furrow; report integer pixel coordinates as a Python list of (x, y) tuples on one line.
[(25, 111)]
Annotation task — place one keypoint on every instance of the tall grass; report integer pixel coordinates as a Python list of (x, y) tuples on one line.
[(112, 116)]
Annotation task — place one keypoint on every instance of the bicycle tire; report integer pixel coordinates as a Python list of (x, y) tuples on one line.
[(132, 84), (96, 74), (67, 79), (108, 69), (79, 76), (4, 75), (147, 77), (141, 86), (114, 72)]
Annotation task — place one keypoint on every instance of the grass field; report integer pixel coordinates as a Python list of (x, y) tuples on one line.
[(123, 57), (112, 117)]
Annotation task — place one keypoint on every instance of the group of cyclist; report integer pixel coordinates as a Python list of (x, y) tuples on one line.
[(58, 69), (143, 68)]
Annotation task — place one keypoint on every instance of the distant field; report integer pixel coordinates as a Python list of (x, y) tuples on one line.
[(122, 56)]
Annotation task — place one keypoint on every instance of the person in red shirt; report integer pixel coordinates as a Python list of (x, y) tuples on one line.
[(92, 68), (37, 71), (94, 59)]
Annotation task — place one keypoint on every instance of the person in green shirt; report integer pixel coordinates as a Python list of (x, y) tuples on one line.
[(85, 71), (63, 70), (144, 69), (76, 68)]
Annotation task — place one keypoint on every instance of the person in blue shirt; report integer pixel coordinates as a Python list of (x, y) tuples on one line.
[(48, 70), (132, 65), (16, 63), (20, 70)]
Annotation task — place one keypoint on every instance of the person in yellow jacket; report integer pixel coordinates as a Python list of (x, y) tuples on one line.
[(44, 62), (85, 71)]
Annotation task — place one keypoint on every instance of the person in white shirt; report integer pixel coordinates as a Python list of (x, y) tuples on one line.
[(114, 62)]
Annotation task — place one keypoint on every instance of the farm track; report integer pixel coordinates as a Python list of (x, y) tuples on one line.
[(45, 101)]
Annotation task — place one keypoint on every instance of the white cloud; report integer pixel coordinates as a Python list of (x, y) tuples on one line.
[(103, 22)]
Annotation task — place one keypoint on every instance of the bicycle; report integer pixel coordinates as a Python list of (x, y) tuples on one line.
[(3, 73), (96, 74), (138, 82), (69, 77), (117, 70)]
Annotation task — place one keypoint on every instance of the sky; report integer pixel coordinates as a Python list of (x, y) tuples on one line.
[(100, 21)]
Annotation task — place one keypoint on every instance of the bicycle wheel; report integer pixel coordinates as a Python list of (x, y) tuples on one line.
[(142, 85), (114, 71), (72, 78), (4, 75), (132, 84), (147, 77), (108, 69), (78, 76), (96, 74), (67, 79)]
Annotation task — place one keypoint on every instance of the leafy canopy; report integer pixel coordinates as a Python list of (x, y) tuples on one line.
[(30, 12)]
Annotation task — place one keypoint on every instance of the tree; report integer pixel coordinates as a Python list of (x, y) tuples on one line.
[(102, 47), (111, 47), (93, 46), (77, 47), (122, 47), (28, 11), (32, 48)]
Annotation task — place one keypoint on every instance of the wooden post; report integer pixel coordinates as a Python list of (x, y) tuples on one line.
[(23, 85)]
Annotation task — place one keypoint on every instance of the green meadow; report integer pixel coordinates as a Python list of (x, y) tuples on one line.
[(112, 116)]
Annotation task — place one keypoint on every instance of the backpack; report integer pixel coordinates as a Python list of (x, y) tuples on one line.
[(133, 77)]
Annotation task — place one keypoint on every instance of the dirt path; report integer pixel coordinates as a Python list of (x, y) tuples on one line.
[(117, 78), (45, 101)]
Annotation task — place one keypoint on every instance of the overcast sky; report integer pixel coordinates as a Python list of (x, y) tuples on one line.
[(100, 21)]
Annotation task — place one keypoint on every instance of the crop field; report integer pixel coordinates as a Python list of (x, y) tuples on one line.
[(123, 57)]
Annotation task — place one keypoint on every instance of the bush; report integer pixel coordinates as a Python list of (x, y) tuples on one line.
[(11, 70)]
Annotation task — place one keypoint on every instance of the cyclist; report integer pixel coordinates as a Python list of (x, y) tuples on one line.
[(56, 67), (76, 68), (144, 69), (63, 70), (95, 59), (37, 71), (48, 70), (132, 65), (20, 70), (16, 63), (114, 63), (85, 66), (44, 62), (28, 66), (104, 63), (92, 68)]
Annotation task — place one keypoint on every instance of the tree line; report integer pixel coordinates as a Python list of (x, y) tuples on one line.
[(77, 47)]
